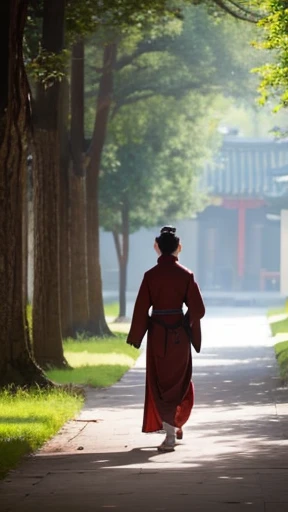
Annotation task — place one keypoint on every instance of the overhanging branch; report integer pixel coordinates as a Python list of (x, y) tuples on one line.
[(238, 10)]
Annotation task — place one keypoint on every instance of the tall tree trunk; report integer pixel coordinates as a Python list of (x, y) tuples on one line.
[(25, 244), (78, 248), (122, 250), (16, 364), (25, 238), (47, 337), (64, 225), (97, 322)]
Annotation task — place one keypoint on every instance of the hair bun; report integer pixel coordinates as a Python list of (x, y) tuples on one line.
[(168, 229)]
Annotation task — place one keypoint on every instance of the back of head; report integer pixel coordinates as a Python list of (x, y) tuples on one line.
[(168, 242)]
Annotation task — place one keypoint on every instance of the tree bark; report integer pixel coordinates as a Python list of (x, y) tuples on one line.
[(64, 226), (25, 239), (47, 337), (97, 322), (79, 279), (122, 251), (16, 364), (78, 251)]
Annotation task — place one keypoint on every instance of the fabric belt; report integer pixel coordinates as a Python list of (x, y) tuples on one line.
[(167, 312), (168, 327)]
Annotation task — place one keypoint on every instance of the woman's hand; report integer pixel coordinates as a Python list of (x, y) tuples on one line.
[(134, 344)]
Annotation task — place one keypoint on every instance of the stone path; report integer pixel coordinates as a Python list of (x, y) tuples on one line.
[(234, 455)]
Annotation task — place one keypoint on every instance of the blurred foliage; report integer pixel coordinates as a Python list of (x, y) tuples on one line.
[(151, 162), (84, 18), (274, 30), (168, 82), (201, 51), (48, 68)]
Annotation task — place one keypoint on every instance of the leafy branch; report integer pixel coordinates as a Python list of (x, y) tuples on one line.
[(48, 68)]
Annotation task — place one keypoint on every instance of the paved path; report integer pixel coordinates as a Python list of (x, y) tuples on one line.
[(234, 455)]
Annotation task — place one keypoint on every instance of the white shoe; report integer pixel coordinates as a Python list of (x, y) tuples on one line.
[(167, 446), (169, 442)]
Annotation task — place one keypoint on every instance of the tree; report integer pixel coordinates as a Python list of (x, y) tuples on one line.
[(150, 170), (16, 363), (78, 239), (64, 199), (47, 336), (97, 323)]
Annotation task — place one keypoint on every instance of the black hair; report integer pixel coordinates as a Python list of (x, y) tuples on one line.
[(167, 242)]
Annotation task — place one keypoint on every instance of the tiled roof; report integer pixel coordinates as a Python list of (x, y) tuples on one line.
[(246, 167)]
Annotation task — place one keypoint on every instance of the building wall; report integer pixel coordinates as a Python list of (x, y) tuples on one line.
[(219, 268)]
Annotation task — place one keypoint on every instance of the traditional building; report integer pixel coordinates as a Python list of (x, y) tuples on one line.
[(239, 233)]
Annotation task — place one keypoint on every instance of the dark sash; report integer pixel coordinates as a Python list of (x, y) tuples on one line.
[(193, 333)]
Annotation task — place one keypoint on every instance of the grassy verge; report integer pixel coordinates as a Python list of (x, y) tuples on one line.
[(111, 309), (278, 320), (96, 362), (111, 314), (28, 419)]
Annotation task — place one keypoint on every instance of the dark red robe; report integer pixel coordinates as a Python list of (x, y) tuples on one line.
[(169, 392)]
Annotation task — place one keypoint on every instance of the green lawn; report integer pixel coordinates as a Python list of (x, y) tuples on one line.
[(278, 320), (111, 309), (29, 418), (96, 362)]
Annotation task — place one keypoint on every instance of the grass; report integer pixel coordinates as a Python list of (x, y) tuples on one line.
[(28, 419), (111, 313), (111, 309), (96, 362), (278, 320)]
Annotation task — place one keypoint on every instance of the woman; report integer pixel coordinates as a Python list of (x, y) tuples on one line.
[(169, 395)]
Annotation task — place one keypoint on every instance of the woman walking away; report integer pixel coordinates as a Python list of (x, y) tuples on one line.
[(169, 394)]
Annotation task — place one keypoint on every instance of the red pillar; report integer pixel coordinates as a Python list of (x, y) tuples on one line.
[(241, 238)]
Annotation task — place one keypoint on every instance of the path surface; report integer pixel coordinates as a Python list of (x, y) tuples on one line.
[(234, 455)]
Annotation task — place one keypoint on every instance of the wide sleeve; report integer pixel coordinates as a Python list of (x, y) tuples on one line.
[(194, 301), (140, 318), (196, 311)]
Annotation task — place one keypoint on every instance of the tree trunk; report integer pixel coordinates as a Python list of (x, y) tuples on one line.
[(64, 226), (78, 251), (79, 280), (25, 238), (122, 251), (47, 337), (97, 322), (16, 364)]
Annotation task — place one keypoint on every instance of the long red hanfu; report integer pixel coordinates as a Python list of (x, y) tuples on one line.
[(169, 393)]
